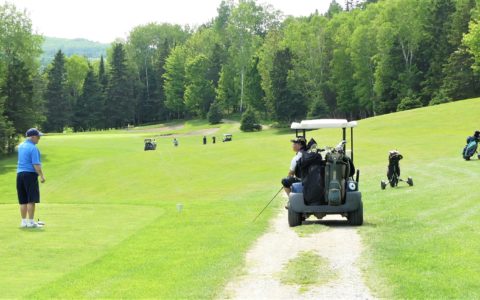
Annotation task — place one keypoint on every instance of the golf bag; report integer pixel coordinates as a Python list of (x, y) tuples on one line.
[(471, 148), (393, 171), (312, 174), (338, 169)]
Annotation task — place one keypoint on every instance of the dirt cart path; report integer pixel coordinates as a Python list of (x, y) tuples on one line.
[(339, 244)]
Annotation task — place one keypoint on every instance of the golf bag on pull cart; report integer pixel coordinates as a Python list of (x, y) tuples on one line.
[(393, 172), (471, 147)]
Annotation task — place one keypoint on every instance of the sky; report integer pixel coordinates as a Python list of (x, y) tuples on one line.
[(106, 20)]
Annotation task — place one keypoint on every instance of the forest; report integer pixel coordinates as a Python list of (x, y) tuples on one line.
[(359, 59)]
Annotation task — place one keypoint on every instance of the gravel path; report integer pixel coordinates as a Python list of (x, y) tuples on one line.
[(339, 244)]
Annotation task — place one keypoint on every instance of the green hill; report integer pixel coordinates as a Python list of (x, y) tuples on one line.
[(91, 50), (113, 229)]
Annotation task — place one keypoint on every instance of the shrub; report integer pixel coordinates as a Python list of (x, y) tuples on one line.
[(440, 98), (215, 113), (409, 103), (250, 121)]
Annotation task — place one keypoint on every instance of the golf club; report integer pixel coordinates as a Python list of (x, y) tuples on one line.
[(41, 223), (268, 204)]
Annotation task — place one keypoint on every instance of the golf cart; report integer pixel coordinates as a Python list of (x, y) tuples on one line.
[(150, 144), (227, 137), (328, 187)]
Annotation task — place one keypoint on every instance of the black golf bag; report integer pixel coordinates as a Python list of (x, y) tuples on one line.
[(393, 171), (312, 174)]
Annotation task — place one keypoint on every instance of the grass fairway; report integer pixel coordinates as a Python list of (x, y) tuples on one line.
[(423, 241), (113, 229)]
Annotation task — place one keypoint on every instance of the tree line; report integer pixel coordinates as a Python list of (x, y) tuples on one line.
[(362, 59)]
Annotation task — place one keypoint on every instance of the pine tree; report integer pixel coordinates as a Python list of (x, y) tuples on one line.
[(7, 145), (215, 113), (58, 108), (217, 59), (288, 104), (89, 106), (436, 48), (17, 90), (120, 107), (249, 121), (102, 75), (254, 94)]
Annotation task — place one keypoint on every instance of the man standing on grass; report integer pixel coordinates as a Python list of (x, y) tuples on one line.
[(28, 170)]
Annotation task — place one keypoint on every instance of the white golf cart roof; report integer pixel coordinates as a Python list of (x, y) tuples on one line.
[(323, 123)]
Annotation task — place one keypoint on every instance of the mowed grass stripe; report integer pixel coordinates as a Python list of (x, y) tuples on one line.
[(75, 235)]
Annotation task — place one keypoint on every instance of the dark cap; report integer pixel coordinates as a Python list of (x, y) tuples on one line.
[(33, 132), (299, 140)]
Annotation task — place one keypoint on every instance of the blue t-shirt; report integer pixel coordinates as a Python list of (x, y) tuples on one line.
[(28, 155)]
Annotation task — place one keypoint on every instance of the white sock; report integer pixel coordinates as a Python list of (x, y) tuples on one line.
[(24, 221)]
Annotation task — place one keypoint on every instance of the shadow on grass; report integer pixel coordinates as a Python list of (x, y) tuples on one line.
[(31, 230), (336, 223), (8, 163)]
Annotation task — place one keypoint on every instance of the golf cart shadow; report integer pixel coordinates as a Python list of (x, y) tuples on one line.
[(334, 221), (330, 221)]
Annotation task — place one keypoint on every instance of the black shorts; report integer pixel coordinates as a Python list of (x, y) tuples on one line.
[(27, 188), (288, 181)]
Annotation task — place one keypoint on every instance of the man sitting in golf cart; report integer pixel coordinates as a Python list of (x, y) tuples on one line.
[(298, 146)]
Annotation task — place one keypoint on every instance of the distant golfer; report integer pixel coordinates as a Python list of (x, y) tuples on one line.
[(28, 170), (298, 146), (204, 140), (214, 139), (175, 142)]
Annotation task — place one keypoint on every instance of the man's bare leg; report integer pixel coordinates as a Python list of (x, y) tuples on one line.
[(31, 210), (23, 211)]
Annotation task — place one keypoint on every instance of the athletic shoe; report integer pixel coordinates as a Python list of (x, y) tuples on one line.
[(23, 224), (34, 225)]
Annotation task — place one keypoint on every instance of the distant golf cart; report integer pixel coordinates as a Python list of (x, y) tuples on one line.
[(150, 144), (334, 190), (227, 137)]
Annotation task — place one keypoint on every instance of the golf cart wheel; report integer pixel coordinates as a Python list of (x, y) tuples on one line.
[(478, 156), (410, 181), (383, 184), (294, 218), (355, 218)]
